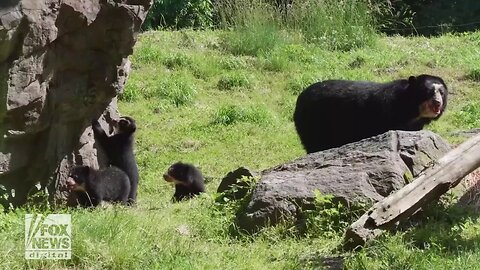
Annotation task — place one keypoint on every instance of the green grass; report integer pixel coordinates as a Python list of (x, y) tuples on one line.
[(331, 24), (234, 80), (185, 114), (261, 27), (231, 114), (474, 74)]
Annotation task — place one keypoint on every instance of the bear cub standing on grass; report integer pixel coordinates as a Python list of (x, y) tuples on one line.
[(332, 113), (188, 180), (91, 187)]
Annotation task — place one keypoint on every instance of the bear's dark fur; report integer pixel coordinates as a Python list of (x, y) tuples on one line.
[(332, 113), (91, 186), (188, 180), (119, 150)]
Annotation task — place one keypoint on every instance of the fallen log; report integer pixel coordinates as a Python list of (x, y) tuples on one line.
[(430, 185)]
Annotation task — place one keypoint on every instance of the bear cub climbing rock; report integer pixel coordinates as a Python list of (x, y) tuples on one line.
[(119, 150), (332, 113)]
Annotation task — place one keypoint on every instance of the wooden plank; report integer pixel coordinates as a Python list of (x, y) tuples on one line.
[(430, 185)]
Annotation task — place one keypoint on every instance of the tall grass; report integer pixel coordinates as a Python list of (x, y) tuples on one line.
[(256, 26), (259, 26), (234, 80), (336, 25), (230, 114)]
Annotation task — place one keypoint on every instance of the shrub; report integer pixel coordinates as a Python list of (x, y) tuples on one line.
[(178, 14), (425, 17), (331, 216), (469, 115)]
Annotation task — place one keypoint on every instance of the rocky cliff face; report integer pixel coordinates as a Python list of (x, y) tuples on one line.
[(62, 63)]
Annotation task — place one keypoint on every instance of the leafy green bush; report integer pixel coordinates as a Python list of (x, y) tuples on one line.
[(445, 16), (330, 216), (393, 17), (426, 17), (469, 115), (178, 14)]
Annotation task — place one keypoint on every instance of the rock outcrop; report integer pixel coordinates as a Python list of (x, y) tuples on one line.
[(368, 170), (62, 63), (234, 185)]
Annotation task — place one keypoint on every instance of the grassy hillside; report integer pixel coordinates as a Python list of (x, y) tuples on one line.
[(198, 98)]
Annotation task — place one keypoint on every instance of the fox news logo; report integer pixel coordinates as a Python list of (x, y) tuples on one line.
[(48, 237)]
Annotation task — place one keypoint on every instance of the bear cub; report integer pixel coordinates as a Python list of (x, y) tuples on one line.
[(92, 187), (188, 180), (119, 150)]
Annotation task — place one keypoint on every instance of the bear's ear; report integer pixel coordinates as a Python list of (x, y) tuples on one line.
[(412, 80)]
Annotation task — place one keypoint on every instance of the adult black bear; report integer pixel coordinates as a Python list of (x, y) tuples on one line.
[(187, 178), (91, 186), (119, 150), (332, 113)]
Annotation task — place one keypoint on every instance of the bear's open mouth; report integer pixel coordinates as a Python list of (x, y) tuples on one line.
[(435, 107), (430, 109), (70, 184)]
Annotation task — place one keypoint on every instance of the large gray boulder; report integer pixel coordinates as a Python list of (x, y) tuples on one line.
[(62, 62), (364, 171)]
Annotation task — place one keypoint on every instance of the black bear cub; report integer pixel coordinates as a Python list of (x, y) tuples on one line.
[(119, 150), (91, 186), (187, 178), (332, 113)]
